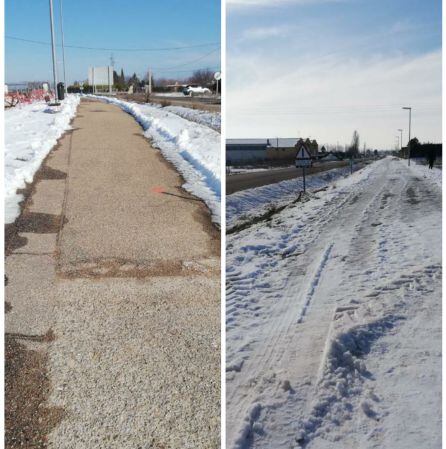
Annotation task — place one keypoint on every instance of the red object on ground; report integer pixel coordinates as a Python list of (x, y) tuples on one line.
[(14, 98)]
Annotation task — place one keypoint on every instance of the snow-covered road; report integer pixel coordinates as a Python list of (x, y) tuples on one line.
[(334, 318)]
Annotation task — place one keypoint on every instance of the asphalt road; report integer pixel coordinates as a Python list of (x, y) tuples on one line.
[(243, 181)]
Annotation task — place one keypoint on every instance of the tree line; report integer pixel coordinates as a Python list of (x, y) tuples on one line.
[(122, 82)]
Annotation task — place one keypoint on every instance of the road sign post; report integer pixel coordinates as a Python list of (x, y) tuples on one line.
[(217, 78), (303, 159)]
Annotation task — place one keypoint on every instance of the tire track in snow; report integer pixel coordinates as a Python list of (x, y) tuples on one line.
[(315, 282), (290, 406), (265, 359)]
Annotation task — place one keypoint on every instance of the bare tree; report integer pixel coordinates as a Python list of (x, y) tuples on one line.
[(202, 77), (163, 82), (354, 146)]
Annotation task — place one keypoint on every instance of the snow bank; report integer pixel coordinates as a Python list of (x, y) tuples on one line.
[(236, 170), (254, 202), (423, 170), (210, 119), (194, 149), (31, 131)]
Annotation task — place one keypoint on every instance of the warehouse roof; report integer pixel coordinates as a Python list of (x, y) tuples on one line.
[(274, 142), (246, 141)]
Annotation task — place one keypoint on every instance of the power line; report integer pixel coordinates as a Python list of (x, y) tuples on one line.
[(185, 47), (189, 70), (187, 63)]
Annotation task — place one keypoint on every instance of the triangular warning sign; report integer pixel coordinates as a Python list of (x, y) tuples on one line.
[(303, 153)]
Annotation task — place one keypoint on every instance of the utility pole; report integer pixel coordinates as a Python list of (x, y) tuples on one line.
[(150, 82), (111, 74), (63, 46), (56, 97), (409, 108)]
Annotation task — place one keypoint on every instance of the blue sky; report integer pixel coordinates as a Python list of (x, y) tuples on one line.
[(326, 67), (112, 24)]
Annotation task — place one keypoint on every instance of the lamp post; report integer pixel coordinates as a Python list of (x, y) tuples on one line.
[(409, 108)]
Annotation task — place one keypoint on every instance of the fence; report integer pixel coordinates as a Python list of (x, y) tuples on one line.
[(26, 97)]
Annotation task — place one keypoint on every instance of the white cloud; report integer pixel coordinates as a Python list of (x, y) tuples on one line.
[(329, 97), (260, 33)]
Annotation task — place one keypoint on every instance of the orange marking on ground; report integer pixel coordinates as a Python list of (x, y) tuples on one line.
[(157, 189)]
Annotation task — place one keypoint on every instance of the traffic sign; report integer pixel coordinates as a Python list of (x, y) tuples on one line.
[(303, 162), (217, 76), (303, 158)]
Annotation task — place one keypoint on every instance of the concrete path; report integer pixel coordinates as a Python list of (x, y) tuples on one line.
[(113, 299)]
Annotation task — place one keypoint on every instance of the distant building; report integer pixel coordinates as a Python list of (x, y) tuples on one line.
[(277, 150), (281, 149), (285, 149), (245, 151)]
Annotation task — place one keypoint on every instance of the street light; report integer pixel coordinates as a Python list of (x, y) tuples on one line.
[(410, 120), (401, 141)]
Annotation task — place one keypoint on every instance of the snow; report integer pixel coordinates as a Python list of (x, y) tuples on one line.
[(421, 169), (231, 170), (169, 94), (333, 317), (249, 203), (30, 133), (210, 119), (194, 149)]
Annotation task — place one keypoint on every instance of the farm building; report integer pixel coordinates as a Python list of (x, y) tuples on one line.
[(245, 151), (275, 150), (284, 149)]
